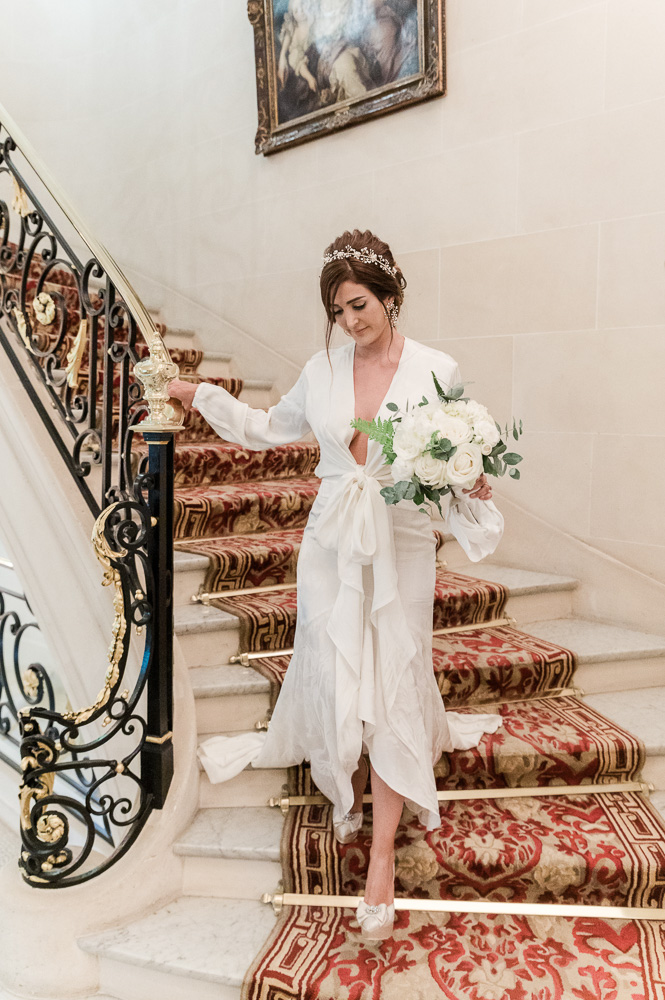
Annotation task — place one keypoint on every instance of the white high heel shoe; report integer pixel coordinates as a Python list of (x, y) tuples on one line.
[(348, 826), (376, 922)]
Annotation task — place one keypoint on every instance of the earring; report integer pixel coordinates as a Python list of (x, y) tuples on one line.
[(392, 312)]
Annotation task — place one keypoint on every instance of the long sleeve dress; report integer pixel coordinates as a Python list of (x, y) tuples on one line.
[(360, 677)]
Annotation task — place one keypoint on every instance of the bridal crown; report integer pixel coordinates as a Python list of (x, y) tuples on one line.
[(364, 254)]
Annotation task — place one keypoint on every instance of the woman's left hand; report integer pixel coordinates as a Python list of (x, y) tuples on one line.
[(481, 489)]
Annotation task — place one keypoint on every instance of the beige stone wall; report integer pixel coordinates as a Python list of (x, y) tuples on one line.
[(527, 209)]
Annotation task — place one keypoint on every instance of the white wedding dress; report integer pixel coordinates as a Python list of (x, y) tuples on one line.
[(360, 676)]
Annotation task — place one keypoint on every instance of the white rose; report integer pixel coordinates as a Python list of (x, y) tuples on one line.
[(429, 470), (485, 430), (476, 411), (454, 428), (465, 465), (402, 468), (456, 409), (412, 436), (407, 444), (422, 424), (428, 408)]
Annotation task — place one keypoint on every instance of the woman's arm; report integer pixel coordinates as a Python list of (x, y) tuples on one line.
[(245, 425)]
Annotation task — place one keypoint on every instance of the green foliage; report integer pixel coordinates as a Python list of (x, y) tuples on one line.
[(411, 489), (379, 430), (441, 447), (454, 393)]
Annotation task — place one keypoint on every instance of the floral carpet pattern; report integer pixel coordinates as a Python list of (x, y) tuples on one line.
[(246, 511)]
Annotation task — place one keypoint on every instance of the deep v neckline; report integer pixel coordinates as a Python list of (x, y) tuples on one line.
[(352, 357)]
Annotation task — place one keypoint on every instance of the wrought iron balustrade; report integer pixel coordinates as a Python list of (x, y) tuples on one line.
[(96, 369)]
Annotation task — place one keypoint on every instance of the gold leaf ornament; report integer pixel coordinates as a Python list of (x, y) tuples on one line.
[(22, 326), (75, 356), (20, 200)]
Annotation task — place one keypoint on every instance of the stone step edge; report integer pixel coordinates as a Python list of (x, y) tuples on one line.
[(270, 826), (193, 613), (216, 356), (233, 679), (131, 943)]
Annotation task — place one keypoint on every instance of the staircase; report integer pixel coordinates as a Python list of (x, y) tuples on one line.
[(238, 524)]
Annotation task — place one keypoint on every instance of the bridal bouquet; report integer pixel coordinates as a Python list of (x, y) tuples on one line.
[(438, 444)]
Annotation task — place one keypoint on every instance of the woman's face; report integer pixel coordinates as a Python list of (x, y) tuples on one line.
[(360, 313)]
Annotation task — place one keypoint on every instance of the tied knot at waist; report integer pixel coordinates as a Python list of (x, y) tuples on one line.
[(355, 519)]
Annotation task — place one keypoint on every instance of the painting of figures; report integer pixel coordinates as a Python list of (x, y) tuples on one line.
[(338, 50), (326, 64)]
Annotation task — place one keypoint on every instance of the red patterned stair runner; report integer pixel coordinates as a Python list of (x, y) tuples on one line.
[(246, 510)]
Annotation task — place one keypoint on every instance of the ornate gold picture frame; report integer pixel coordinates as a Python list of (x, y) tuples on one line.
[(324, 65)]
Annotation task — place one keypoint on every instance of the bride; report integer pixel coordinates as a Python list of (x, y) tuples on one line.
[(359, 694)]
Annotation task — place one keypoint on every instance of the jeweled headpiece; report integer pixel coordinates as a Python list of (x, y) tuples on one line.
[(364, 254)]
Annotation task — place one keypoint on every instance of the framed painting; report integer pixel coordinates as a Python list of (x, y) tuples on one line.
[(324, 65)]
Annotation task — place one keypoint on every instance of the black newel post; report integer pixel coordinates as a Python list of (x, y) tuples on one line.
[(157, 752)]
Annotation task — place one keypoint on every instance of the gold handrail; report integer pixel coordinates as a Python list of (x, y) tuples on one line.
[(154, 372)]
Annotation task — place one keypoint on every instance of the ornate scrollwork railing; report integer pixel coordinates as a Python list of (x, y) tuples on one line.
[(25, 683), (80, 339)]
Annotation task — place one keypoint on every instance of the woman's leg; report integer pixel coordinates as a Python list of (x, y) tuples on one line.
[(358, 782), (387, 812)]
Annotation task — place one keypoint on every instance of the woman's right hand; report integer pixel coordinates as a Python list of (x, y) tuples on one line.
[(184, 391)]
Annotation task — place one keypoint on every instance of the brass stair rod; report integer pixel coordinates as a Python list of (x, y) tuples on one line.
[(205, 596), (280, 899), (494, 623), (244, 658), (285, 801)]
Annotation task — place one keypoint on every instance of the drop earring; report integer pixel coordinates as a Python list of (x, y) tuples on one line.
[(392, 313)]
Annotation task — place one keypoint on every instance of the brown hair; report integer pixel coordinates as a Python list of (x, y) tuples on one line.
[(380, 282)]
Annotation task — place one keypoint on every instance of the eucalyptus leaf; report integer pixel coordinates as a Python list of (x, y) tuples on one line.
[(512, 458), (514, 473)]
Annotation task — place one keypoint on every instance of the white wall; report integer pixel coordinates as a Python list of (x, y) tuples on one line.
[(527, 209)]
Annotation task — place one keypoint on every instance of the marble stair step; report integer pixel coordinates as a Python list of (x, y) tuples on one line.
[(252, 787), (232, 698), (207, 635), (609, 657), (554, 741), (641, 711), (215, 363), (229, 699), (235, 853), (175, 337), (189, 570), (258, 392), (531, 596), (232, 853), (194, 947), (528, 591)]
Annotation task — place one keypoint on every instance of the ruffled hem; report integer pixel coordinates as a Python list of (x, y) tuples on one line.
[(224, 757), (467, 728)]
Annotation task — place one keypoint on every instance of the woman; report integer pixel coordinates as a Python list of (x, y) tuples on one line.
[(360, 679)]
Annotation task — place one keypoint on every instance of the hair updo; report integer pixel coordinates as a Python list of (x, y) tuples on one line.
[(382, 284)]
